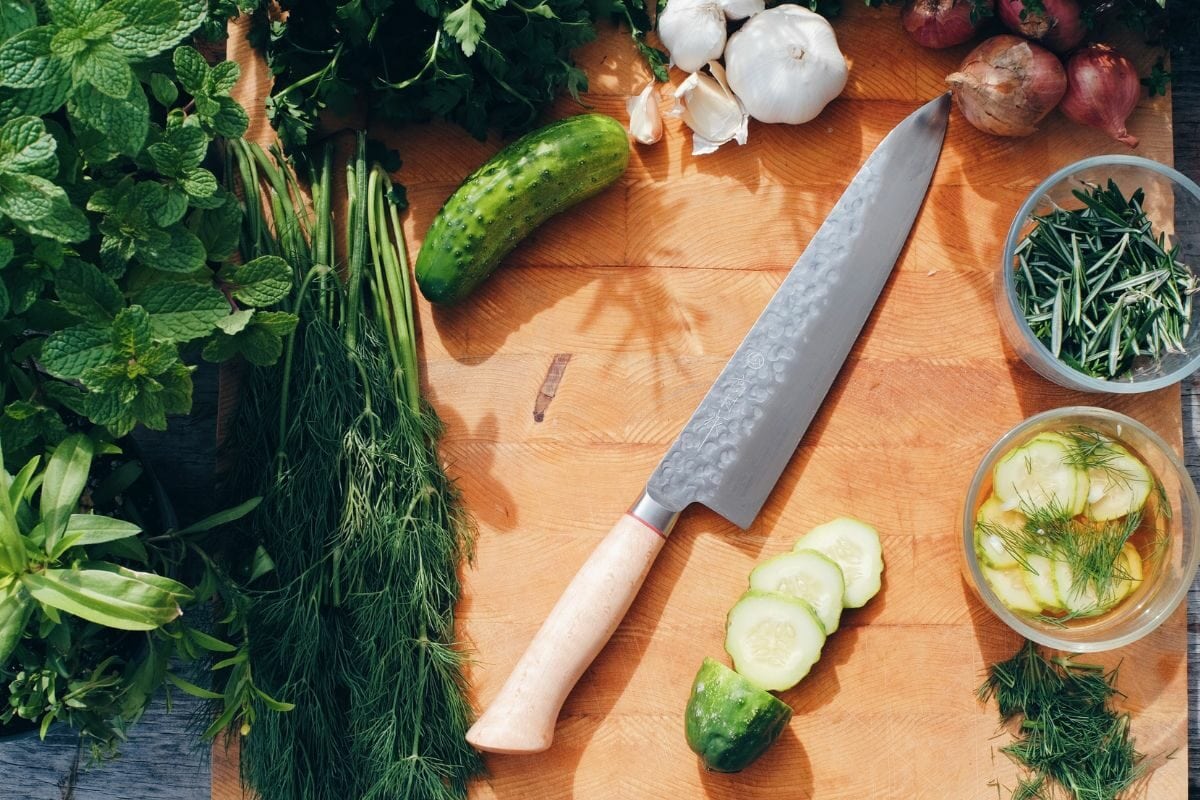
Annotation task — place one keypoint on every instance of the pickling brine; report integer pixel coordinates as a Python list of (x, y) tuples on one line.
[(1072, 524)]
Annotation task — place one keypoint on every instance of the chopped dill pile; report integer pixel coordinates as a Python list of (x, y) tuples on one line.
[(1070, 739)]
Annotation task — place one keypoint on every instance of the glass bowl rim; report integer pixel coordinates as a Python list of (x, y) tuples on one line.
[(1087, 382), (1040, 635)]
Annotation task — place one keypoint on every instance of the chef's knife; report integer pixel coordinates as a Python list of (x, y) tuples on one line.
[(733, 449)]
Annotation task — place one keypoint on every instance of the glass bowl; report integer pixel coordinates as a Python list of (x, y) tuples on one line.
[(1172, 204), (1168, 570)]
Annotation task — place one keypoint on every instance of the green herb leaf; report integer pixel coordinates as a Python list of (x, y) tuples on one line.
[(26, 147), (15, 608), (150, 27), (179, 251), (466, 25), (106, 69), (41, 208), (191, 69), (86, 529), (164, 89), (262, 281), (122, 123), (106, 598), (62, 486), (218, 228), (191, 688), (181, 312), (237, 321), (220, 518), (26, 61), (69, 353), (86, 292)]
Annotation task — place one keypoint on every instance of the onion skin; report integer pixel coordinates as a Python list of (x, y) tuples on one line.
[(938, 24), (1007, 84), (1102, 91), (1060, 27)]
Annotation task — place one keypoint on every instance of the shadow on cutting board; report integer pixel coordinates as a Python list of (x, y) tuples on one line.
[(785, 757)]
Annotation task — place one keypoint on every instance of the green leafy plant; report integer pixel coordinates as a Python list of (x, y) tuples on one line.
[(116, 238), (92, 606)]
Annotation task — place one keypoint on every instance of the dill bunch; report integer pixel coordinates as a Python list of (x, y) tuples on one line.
[(1068, 733), (365, 528)]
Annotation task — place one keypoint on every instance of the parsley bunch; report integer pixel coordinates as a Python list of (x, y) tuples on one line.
[(479, 63), (116, 238)]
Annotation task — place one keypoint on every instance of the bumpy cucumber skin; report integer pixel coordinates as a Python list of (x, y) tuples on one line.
[(729, 721), (526, 183)]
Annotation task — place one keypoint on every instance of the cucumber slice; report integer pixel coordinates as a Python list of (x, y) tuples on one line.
[(1009, 586), (1130, 564), (1039, 476), (809, 576), (990, 546), (854, 546), (773, 639), (1119, 487), (1079, 601), (1040, 582), (729, 721)]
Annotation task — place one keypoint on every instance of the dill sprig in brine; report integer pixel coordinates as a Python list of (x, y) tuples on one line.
[(365, 529), (1068, 732)]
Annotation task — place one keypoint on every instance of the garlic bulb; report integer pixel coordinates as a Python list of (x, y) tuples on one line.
[(645, 119), (709, 108), (785, 65), (693, 32), (740, 9)]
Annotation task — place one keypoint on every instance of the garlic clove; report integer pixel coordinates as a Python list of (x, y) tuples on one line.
[(693, 31), (645, 118), (706, 105), (740, 9)]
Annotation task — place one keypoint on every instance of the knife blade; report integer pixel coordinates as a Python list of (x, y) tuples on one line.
[(732, 451)]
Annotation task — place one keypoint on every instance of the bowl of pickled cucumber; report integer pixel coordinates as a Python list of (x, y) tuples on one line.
[(1080, 529)]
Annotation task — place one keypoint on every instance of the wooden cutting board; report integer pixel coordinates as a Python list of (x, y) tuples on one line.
[(563, 380)]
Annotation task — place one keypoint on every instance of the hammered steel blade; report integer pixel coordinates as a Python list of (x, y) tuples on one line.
[(733, 449)]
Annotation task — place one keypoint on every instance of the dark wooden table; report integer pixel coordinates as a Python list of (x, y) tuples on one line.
[(164, 761)]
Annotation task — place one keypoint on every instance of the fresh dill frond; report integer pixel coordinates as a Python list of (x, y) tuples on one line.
[(1068, 733), (1090, 450)]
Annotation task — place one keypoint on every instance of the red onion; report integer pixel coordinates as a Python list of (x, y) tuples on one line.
[(1102, 91), (942, 23), (1060, 27), (1007, 84)]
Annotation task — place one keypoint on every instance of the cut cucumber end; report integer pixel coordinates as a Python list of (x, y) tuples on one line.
[(807, 575), (729, 721), (855, 547), (773, 639)]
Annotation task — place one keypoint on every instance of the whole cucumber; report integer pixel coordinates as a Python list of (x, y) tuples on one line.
[(519, 188)]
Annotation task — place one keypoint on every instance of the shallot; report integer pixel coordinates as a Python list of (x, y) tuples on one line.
[(1102, 91), (1007, 84), (1057, 24), (944, 23)]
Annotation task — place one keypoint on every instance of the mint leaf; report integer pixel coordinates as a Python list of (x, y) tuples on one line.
[(123, 123), (15, 16), (26, 147), (37, 101), (26, 61), (466, 25), (105, 68), (176, 394), (6, 252), (222, 78), (190, 68), (73, 351), (174, 205), (131, 332), (42, 208), (179, 250), (166, 158), (236, 322), (71, 12), (180, 312), (199, 182), (219, 228), (262, 282), (230, 120), (279, 323), (164, 89), (190, 141), (151, 26), (257, 345), (87, 292)]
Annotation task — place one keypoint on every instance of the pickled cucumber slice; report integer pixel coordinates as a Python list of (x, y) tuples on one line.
[(855, 547), (1009, 586), (1039, 580), (992, 515), (773, 639), (1039, 476), (1130, 564), (809, 576), (1119, 486), (1079, 601)]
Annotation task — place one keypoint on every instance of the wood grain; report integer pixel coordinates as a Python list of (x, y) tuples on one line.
[(648, 288)]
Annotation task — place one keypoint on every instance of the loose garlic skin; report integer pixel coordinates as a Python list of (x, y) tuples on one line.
[(693, 32), (645, 118), (785, 65), (709, 108)]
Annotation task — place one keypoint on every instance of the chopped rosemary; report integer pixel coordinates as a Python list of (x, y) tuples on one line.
[(1068, 731), (1100, 288)]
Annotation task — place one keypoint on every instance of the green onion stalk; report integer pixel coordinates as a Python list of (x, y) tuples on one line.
[(366, 530)]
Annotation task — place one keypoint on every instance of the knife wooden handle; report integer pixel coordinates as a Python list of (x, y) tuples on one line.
[(521, 717)]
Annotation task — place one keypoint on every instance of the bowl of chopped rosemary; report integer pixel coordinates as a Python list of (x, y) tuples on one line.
[(1081, 529), (1098, 276)]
